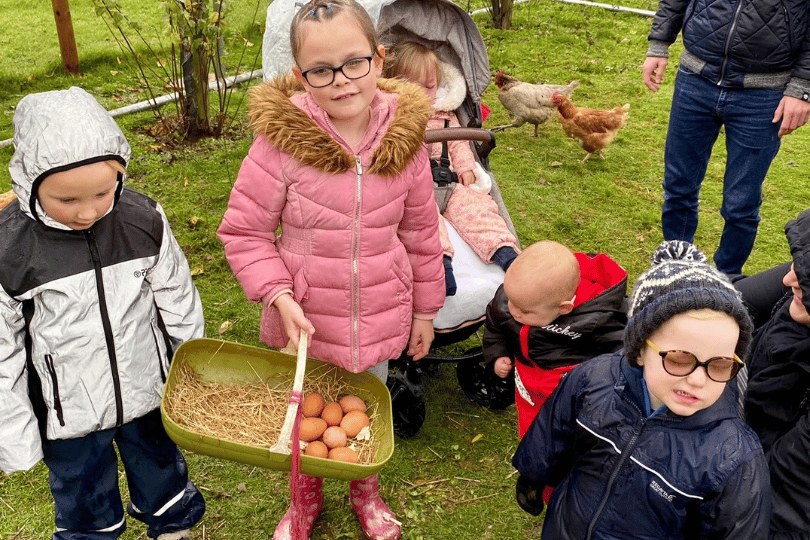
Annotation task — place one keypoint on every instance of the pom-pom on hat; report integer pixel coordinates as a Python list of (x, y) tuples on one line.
[(680, 280)]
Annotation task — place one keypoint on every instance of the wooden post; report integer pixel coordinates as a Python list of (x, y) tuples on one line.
[(67, 41)]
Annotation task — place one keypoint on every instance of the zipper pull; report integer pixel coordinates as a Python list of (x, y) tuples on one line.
[(359, 165)]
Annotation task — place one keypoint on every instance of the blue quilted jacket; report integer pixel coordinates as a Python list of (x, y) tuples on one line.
[(734, 42), (623, 474)]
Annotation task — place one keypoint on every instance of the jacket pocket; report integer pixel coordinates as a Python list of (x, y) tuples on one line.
[(57, 402), (158, 353), (300, 287), (788, 26), (404, 295)]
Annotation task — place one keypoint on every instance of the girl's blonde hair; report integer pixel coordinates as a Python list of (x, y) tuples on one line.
[(326, 10), (116, 166), (412, 61)]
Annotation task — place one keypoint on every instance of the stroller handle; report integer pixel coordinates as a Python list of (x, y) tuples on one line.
[(485, 136)]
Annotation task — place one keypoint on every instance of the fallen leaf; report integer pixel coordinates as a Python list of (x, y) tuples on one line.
[(197, 270), (224, 327), (556, 164), (640, 238), (477, 438)]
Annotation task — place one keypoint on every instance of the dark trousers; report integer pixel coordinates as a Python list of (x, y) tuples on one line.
[(84, 482)]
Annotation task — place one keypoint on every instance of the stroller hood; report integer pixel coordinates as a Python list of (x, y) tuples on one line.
[(439, 24)]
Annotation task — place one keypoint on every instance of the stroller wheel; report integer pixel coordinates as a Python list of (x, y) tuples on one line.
[(407, 397), (481, 385)]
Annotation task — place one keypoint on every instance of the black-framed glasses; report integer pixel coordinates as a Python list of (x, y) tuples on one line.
[(682, 363), (354, 68)]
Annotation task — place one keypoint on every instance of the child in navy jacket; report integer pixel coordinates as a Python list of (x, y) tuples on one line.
[(648, 442)]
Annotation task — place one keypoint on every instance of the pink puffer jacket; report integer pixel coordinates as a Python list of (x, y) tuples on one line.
[(359, 246), (460, 153)]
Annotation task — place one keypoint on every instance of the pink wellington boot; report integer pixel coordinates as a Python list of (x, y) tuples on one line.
[(310, 489), (377, 520)]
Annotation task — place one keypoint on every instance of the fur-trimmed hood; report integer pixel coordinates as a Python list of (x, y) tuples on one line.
[(291, 129), (450, 95)]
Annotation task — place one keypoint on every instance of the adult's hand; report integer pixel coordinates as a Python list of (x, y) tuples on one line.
[(793, 113), (653, 71)]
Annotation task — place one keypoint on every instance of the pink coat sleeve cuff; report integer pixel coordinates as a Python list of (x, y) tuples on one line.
[(270, 298)]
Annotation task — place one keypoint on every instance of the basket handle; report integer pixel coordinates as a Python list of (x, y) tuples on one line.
[(282, 446)]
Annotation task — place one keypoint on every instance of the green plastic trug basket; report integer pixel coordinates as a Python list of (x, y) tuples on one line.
[(231, 363)]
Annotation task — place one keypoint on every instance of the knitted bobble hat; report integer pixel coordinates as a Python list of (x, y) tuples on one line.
[(680, 280)]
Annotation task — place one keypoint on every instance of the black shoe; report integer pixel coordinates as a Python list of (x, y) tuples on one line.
[(480, 383)]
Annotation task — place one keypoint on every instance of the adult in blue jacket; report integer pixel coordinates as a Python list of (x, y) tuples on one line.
[(648, 443), (745, 67)]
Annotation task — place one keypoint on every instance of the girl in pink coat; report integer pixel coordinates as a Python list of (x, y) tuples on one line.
[(338, 162)]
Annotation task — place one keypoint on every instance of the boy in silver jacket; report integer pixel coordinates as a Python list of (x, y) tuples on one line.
[(95, 294)]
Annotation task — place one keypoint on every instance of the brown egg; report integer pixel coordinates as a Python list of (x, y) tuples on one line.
[(353, 422), (312, 405), (352, 403), (334, 437), (343, 454), (332, 413), (316, 449), (311, 428)]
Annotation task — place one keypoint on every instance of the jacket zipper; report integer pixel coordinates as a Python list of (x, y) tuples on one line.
[(57, 402), (90, 236), (355, 340), (626, 451), (728, 44)]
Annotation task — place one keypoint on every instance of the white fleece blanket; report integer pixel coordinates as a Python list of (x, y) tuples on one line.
[(476, 282)]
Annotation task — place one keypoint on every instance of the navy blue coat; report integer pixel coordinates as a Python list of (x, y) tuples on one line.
[(620, 474), (738, 37)]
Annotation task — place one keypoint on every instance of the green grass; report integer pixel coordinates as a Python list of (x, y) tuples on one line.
[(441, 484)]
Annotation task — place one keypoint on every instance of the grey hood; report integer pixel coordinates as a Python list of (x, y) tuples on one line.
[(56, 131)]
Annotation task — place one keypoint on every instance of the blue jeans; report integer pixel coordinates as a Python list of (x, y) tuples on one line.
[(699, 110)]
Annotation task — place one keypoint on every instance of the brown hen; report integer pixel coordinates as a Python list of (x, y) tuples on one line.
[(594, 128), (528, 102)]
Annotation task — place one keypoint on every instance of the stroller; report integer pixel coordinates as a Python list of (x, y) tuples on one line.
[(451, 33)]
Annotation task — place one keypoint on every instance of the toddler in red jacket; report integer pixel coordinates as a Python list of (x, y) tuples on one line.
[(554, 310)]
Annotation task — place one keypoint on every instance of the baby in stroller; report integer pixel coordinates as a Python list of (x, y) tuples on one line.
[(469, 208)]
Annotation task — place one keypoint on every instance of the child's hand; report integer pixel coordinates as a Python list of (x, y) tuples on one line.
[(467, 178), (529, 495), (503, 365), (421, 338), (293, 318)]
